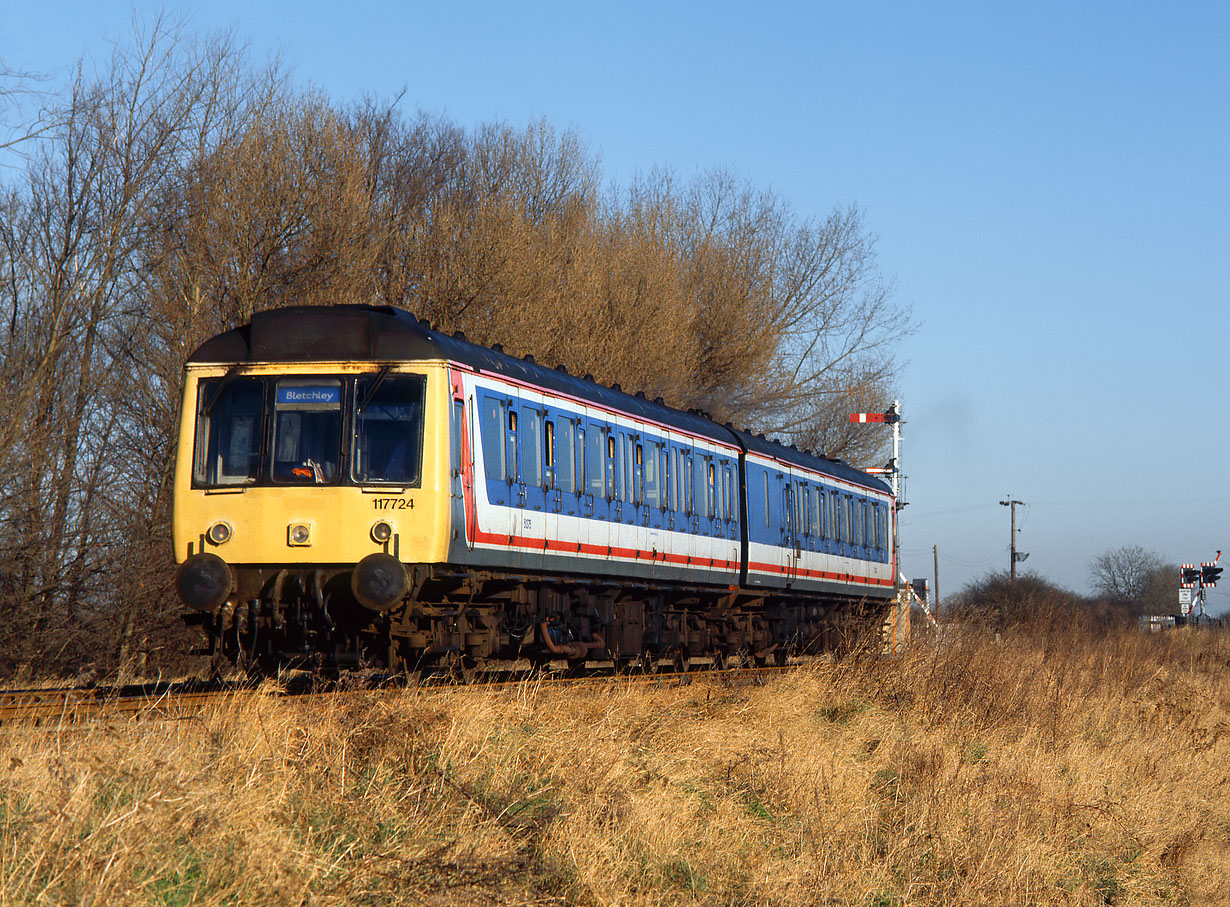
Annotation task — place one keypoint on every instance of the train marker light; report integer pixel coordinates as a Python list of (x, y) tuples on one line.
[(219, 533), (299, 534), (381, 532)]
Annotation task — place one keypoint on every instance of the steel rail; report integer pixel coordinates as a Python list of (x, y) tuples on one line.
[(68, 706)]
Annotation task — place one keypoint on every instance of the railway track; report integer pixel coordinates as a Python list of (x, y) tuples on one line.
[(77, 705), (68, 706)]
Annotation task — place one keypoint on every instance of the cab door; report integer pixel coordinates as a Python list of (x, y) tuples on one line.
[(458, 470)]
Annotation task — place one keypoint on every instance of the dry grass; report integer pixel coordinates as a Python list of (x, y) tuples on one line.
[(1024, 771)]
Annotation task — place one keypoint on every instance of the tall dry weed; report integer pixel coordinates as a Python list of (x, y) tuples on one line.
[(1022, 769)]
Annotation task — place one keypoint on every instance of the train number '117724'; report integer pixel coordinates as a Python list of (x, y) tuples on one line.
[(392, 503)]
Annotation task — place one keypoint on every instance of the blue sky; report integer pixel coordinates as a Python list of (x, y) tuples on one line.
[(1049, 184)]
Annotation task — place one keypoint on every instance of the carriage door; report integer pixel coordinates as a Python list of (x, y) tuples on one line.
[(458, 460), (534, 493), (559, 492), (495, 416), (790, 530), (513, 444), (629, 486)]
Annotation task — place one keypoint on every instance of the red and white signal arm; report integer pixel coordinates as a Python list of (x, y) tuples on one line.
[(875, 417)]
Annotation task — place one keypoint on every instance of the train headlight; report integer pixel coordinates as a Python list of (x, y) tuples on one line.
[(299, 534), (381, 531), (219, 533), (203, 581), (379, 581)]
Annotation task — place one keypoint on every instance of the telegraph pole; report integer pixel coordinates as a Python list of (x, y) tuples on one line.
[(935, 553), (1011, 504)]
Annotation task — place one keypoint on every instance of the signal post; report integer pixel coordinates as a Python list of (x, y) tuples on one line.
[(1193, 581), (897, 627)]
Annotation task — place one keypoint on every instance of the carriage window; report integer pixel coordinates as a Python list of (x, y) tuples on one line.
[(228, 431), (531, 453), (668, 475), (629, 471), (681, 478), (492, 419), (388, 429), (564, 462), (510, 453), (548, 453), (822, 508), (651, 475), (307, 430), (580, 447), (614, 475), (594, 465)]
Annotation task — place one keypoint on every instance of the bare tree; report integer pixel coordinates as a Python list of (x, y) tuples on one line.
[(75, 247), (1135, 576), (19, 123), (790, 318), (179, 192)]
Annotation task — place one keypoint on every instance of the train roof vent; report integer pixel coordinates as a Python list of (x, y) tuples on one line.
[(589, 377), (459, 335), (561, 368), (498, 347), (529, 358), (616, 387), (640, 395), (659, 401)]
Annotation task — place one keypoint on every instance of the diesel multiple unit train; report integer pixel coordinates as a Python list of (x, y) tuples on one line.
[(354, 488)]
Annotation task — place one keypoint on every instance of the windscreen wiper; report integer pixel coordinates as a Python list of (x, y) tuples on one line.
[(371, 391), (230, 375)]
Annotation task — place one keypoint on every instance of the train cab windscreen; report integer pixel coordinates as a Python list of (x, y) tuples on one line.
[(307, 430), (388, 429), (228, 431)]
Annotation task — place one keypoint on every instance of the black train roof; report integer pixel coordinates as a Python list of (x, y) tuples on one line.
[(346, 333)]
